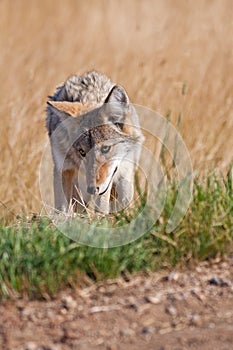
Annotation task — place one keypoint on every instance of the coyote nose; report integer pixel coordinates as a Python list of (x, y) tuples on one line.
[(92, 189)]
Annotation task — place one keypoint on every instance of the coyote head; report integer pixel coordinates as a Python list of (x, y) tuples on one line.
[(99, 137)]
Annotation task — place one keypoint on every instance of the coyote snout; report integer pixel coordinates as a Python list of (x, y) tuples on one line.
[(96, 143), (100, 168)]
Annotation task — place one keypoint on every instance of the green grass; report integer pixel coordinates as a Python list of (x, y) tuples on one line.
[(37, 260)]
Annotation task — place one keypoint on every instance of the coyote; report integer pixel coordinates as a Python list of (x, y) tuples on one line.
[(96, 141)]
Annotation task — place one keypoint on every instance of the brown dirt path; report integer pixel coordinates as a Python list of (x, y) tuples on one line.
[(177, 310)]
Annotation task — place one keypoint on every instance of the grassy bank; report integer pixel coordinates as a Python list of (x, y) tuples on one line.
[(37, 260)]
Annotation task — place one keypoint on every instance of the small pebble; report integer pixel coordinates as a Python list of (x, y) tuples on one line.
[(127, 332), (216, 281), (68, 302), (171, 310), (195, 320), (152, 299), (148, 330)]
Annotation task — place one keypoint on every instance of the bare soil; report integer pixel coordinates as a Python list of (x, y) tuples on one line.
[(189, 309)]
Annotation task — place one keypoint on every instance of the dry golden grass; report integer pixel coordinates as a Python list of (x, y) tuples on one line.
[(150, 47)]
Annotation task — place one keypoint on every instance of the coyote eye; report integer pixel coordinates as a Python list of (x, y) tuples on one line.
[(82, 152), (119, 125), (105, 149)]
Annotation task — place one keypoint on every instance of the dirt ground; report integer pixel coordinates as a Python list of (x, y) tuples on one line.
[(189, 309)]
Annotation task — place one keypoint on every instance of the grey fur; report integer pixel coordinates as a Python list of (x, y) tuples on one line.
[(90, 89), (114, 125)]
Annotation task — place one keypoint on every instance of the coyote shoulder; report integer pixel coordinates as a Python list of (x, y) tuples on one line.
[(96, 141)]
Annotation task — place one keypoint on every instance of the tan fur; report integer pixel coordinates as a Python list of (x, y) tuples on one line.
[(75, 109), (101, 173), (67, 178)]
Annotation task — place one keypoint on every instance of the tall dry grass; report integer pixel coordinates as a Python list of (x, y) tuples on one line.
[(150, 47)]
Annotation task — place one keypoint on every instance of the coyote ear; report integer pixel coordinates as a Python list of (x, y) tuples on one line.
[(74, 109), (117, 95), (117, 103)]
